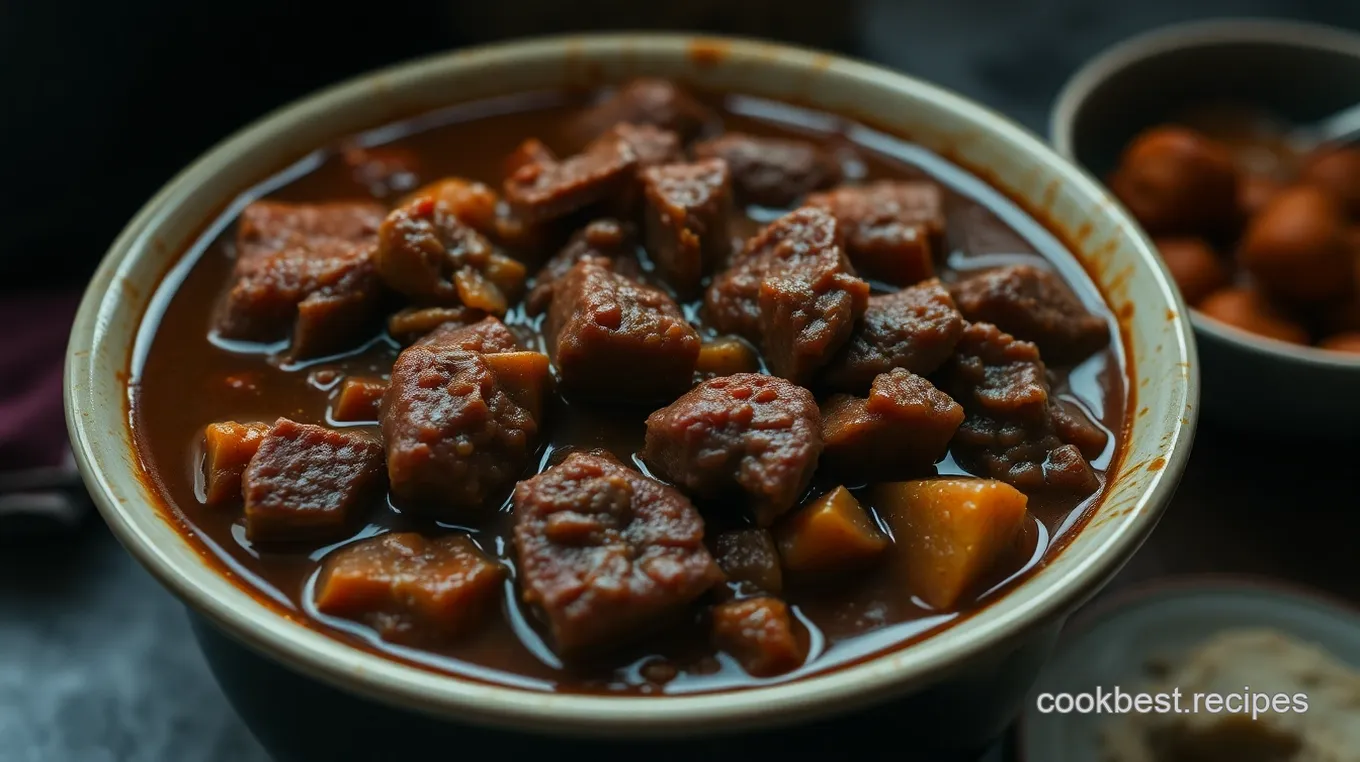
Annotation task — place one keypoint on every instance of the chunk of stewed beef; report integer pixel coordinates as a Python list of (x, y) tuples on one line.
[(1034, 305), (227, 448), (893, 228), (308, 483), (793, 291), (688, 206), (543, 188), (607, 240), (915, 328), (761, 634), (429, 254), (1074, 426), (605, 553), (749, 559), (307, 268), (902, 429), (486, 336), (747, 437), (655, 102), (410, 589), (614, 339), (456, 440), (773, 172), (383, 171), (1008, 431)]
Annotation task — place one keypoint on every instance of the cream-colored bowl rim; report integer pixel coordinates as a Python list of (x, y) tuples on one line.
[(99, 436), (1210, 32)]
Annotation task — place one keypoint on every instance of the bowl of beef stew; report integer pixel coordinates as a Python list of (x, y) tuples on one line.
[(1190, 127), (656, 387)]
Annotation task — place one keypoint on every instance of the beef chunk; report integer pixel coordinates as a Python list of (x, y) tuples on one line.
[(487, 336), (1008, 432), (308, 483), (750, 437), (892, 228), (686, 220), (915, 328), (410, 589), (227, 448), (1075, 427), (793, 291), (607, 240), (773, 172), (427, 253), (413, 322), (760, 634), (308, 267), (545, 189), (648, 101), (901, 430), (605, 553), (1036, 306), (749, 559), (653, 145), (456, 441), (383, 171), (615, 339)]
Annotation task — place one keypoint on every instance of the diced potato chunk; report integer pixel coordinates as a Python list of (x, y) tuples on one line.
[(749, 556), (227, 448), (726, 356), (523, 376), (950, 533), (829, 534), (761, 634), (470, 201), (358, 399), (413, 322)]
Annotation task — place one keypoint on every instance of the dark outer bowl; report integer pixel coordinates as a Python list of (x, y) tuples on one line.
[(1302, 73)]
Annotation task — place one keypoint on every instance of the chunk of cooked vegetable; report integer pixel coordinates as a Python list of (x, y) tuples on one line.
[(761, 634), (831, 533), (523, 376), (359, 399), (749, 557), (725, 357), (950, 533), (227, 448)]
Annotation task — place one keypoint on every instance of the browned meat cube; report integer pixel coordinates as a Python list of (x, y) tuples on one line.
[(751, 437), (486, 336), (1074, 426), (749, 557), (304, 267), (1036, 306), (531, 151), (760, 634), (915, 328), (409, 589), (686, 221), (1008, 430), (605, 553), (615, 339), (793, 291), (892, 228), (383, 171), (606, 240), (773, 172), (413, 322), (359, 399), (655, 102), (726, 356), (227, 448), (544, 189), (456, 441), (525, 377), (308, 483), (427, 253), (654, 146), (901, 430), (831, 534)]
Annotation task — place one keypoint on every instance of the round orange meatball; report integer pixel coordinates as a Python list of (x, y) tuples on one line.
[(1194, 266), (1177, 181), (1298, 246), (1342, 342), (1246, 308), (1338, 173), (1254, 191)]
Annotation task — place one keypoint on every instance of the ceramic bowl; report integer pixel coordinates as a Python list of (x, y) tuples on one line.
[(1298, 71), (964, 684)]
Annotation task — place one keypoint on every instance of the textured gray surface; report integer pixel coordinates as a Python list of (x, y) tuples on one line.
[(96, 661)]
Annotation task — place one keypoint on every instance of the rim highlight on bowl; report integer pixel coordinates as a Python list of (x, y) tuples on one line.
[(1017, 162)]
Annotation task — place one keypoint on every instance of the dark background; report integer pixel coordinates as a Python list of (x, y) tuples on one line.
[(103, 102)]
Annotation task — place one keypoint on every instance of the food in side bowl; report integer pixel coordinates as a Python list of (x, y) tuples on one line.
[(634, 392), (1257, 235)]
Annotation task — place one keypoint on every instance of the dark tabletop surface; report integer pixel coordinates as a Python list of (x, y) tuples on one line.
[(97, 662)]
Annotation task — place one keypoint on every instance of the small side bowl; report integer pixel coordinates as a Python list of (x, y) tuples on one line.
[(964, 684), (1301, 72)]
